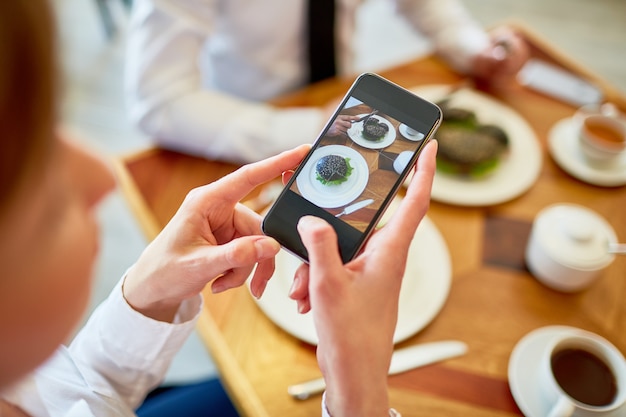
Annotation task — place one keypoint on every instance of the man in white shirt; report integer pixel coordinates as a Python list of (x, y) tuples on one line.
[(200, 72)]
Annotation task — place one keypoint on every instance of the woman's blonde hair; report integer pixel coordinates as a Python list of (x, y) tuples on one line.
[(27, 91)]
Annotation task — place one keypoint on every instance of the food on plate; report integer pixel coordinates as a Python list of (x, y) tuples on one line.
[(459, 116), (374, 130), (332, 169), (467, 147)]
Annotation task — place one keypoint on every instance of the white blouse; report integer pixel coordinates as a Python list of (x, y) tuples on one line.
[(111, 365)]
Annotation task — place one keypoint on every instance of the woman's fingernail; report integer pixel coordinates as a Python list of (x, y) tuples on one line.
[(266, 248), (218, 287), (294, 285), (301, 307), (306, 221), (260, 290)]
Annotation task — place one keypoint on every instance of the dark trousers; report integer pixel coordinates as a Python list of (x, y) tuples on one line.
[(202, 399)]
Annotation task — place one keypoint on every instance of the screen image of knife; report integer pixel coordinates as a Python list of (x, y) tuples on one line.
[(354, 207), (402, 360), (367, 116)]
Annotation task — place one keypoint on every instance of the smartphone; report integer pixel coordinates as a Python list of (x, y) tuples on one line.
[(356, 166)]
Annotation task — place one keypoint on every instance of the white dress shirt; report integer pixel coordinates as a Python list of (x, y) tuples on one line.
[(108, 369), (199, 72), (111, 365)]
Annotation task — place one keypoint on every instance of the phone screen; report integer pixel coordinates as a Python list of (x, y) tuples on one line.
[(356, 166)]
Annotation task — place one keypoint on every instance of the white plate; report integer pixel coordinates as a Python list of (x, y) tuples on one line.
[(524, 369), (517, 171), (331, 196), (355, 133), (404, 132), (565, 150), (424, 290)]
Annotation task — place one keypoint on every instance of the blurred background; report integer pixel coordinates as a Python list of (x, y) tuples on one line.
[(593, 32)]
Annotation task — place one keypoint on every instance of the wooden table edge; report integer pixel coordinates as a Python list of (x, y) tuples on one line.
[(146, 219), (237, 385)]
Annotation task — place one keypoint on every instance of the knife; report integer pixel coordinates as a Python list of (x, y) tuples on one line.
[(367, 116), (354, 207), (402, 360)]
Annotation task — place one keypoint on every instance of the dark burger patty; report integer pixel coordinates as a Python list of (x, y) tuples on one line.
[(469, 147), (331, 167), (374, 129)]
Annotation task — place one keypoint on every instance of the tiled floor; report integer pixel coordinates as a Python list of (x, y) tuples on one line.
[(593, 32)]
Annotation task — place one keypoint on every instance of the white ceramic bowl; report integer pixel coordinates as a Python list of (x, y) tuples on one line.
[(402, 161), (568, 247)]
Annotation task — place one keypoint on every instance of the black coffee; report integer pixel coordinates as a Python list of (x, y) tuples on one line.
[(584, 376)]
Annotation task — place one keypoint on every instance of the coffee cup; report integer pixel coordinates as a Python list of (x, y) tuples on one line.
[(401, 161), (601, 134), (411, 131), (583, 374), (568, 247)]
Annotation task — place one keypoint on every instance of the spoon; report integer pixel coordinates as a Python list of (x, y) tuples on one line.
[(617, 248)]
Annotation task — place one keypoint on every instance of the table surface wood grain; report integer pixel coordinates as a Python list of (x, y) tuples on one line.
[(493, 301)]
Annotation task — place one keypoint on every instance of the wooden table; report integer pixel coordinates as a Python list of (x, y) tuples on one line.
[(493, 301)]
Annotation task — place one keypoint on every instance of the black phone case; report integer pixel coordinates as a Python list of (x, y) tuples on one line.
[(370, 170)]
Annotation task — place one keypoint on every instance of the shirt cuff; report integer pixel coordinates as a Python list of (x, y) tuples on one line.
[(138, 339)]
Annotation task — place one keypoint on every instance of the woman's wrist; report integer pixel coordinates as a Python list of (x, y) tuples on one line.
[(391, 412), (362, 398), (138, 295)]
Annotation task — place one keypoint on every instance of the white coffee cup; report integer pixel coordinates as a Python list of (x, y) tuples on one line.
[(411, 131), (402, 161), (568, 246), (601, 134), (583, 374)]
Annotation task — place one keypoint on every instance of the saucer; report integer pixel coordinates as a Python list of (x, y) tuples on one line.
[(404, 131), (524, 371), (564, 149)]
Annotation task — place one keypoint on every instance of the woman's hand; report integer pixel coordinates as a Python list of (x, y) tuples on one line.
[(355, 306), (212, 238)]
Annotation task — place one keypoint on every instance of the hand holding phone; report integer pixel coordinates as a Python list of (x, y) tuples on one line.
[(350, 175)]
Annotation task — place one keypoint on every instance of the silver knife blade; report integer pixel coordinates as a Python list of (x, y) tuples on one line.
[(415, 356), (354, 207), (367, 116), (402, 360)]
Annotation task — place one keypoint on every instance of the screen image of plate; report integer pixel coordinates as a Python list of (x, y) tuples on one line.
[(333, 195), (356, 133)]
